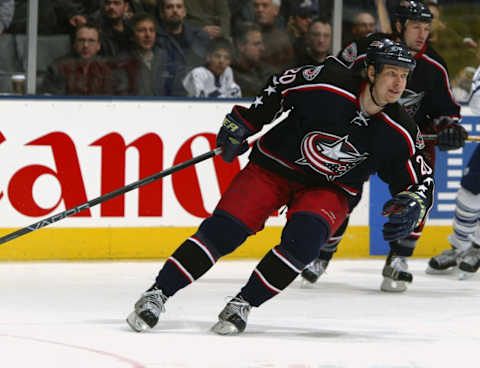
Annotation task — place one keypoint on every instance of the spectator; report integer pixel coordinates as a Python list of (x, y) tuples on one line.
[(81, 73), (6, 14), (116, 35), (146, 64), (248, 70), (318, 43), (278, 53), (364, 23), (290, 7), (213, 16), (186, 45), (301, 16), (215, 79)]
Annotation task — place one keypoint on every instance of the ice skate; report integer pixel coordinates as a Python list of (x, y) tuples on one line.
[(232, 320), (445, 262), (395, 274), (313, 271), (147, 310), (469, 263)]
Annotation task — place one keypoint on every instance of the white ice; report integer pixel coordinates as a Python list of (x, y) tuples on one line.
[(73, 315)]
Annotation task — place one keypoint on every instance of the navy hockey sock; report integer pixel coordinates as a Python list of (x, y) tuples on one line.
[(273, 274), (302, 238), (189, 262), (217, 236)]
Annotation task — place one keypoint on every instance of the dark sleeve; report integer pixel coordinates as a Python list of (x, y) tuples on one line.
[(410, 173), (443, 102), (349, 54)]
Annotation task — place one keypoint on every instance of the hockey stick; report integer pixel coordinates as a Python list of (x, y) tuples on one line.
[(433, 137), (137, 184)]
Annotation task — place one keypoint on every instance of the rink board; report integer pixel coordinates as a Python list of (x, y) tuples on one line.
[(151, 243), (78, 150)]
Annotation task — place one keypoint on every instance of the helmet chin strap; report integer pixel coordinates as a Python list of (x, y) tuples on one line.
[(373, 98)]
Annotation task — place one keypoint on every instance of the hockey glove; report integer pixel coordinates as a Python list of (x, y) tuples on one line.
[(232, 135), (451, 135), (405, 212)]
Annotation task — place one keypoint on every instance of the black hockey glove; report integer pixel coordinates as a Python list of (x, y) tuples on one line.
[(405, 212), (450, 135), (232, 135)]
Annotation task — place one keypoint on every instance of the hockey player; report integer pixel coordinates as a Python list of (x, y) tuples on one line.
[(427, 98), (465, 240), (342, 127)]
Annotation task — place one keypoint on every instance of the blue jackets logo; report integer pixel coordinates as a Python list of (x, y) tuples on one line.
[(329, 154)]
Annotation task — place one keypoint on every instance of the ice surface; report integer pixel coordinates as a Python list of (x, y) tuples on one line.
[(73, 315)]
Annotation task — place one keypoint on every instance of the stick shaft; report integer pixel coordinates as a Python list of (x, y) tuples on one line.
[(137, 184), (433, 137)]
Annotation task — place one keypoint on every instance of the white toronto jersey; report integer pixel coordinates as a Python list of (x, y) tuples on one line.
[(201, 82), (475, 93)]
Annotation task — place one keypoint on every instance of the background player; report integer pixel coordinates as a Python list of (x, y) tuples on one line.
[(427, 98)]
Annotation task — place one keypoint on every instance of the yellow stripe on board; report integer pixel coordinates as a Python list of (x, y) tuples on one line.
[(160, 242)]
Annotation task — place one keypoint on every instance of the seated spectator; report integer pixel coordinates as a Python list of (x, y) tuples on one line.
[(81, 73), (186, 45), (145, 64), (6, 14), (116, 35), (318, 43), (215, 79), (278, 53), (301, 16), (213, 16), (248, 70), (364, 23)]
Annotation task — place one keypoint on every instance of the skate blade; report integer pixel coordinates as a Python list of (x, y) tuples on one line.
[(225, 328), (433, 271), (464, 275), (136, 323), (391, 286)]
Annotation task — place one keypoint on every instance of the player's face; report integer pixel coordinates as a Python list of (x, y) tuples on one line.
[(87, 44), (265, 12), (416, 34), (218, 61), (145, 34), (253, 48), (390, 84)]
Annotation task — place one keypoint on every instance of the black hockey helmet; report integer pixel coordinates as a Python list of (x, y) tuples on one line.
[(413, 10), (385, 51)]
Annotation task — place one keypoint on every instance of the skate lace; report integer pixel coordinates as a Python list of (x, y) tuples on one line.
[(472, 255), (449, 254), (399, 264), (239, 307), (156, 298)]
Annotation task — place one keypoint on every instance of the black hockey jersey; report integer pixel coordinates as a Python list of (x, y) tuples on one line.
[(326, 141), (428, 95)]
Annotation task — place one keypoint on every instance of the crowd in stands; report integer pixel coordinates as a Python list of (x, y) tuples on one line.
[(196, 48)]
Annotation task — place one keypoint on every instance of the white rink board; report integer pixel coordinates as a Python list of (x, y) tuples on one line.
[(85, 122)]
